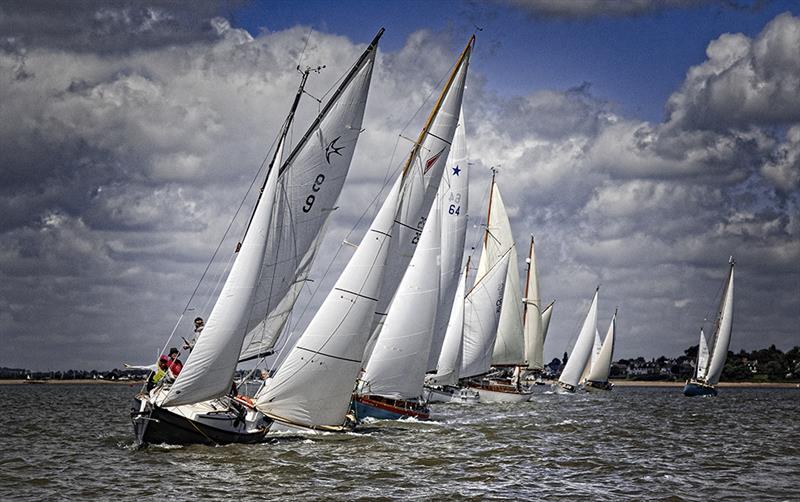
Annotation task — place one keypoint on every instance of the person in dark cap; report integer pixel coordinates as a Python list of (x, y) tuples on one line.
[(175, 364), (199, 324)]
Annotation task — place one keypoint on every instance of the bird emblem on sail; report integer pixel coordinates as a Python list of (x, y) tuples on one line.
[(332, 149), (431, 161)]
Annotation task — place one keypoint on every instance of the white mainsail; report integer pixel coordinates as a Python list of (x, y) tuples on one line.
[(423, 173), (582, 350), (453, 192), (396, 369), (547, 313), (601, 366), (482, 307), (314, 384), (311, 179), (450, 356), (702, 356), (297, 187), (722, 332), (532, 316), (498, 240)]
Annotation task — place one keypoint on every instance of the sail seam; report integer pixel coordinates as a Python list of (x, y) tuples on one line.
[(330, 355)]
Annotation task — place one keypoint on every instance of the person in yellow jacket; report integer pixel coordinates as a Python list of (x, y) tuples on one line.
[(159, 373)]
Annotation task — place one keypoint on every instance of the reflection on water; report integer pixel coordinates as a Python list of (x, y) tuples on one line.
[(74, 442)]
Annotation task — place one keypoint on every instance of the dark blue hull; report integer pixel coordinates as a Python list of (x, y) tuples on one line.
[(698, 389)]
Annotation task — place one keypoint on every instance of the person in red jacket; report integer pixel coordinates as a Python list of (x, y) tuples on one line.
[(175, 364)]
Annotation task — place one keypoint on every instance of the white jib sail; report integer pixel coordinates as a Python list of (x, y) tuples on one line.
[(314, 384), (722, 335), (449, 362), (702, 356), (454, 192), (482, 307), (309, 187), (208, 372), (601, 367), (423, 175), (399, 360), (509, 346), (532, 316), (547, 313), (583, 347), (595, 351)]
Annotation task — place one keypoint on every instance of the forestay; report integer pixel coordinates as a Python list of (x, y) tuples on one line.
[(453, 192), (311, 180), (399, 360), (581, 353), (314, 384), (482, 307)]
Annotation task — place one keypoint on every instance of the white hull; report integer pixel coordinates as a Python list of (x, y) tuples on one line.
[(451, 395)]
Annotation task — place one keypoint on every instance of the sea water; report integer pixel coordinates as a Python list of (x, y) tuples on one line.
[(75, 442)]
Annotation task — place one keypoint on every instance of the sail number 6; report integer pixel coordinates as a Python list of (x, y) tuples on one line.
[(314, 188)]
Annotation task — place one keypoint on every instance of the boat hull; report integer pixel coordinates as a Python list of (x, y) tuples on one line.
[(450, 394), (693, 388), (494, 393), (591, 386), (157, 425), (388, 409)]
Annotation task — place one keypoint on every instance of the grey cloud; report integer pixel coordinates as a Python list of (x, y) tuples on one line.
[(584, 9), (96, 26)]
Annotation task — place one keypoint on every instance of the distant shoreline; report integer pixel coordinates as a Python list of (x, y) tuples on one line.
[(78, 381), (742, 385), (617, 383)]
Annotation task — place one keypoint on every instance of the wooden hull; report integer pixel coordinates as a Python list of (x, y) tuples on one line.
[(695, 388), (500, 393), (157, 425), (388, 409)]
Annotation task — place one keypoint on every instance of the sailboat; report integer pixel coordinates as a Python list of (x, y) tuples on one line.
[(581, 352), (709, 369), (296, 198), (509, 346), (313, 387), (601, 366), (397, 358), (442, 386)]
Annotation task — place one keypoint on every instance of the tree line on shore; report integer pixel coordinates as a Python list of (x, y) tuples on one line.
[(770, 364)]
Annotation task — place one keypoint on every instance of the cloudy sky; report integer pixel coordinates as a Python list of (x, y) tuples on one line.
[(642, 142)]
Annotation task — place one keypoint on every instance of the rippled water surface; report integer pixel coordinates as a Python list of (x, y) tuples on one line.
[(73, 442)]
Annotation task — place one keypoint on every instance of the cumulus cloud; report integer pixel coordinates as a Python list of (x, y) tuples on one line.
[(126, 163)]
